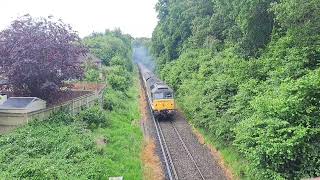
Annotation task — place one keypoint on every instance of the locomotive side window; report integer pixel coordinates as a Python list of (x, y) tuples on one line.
[(169, 96)]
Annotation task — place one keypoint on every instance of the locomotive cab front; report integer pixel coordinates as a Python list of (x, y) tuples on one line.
[(163, 101)]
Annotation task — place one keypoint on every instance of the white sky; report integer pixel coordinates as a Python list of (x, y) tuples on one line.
[(135, 17)]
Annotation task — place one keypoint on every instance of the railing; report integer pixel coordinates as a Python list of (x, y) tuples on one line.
[(73, 106)]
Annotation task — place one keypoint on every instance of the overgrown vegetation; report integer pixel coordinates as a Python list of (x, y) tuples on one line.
[(95, 144), (114, 49), (59, 147), (247, 72)]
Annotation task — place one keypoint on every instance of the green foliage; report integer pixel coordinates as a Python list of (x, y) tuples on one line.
[(124, 134), (145, 42), (94, 117), (247, 72), (56, 148), (92, 75), (120, 104), (114, 48), (120, 61), (95, 144), (119, 78), (114, 100), (283, 133), (247, 24), (109, 44), (62, 147)]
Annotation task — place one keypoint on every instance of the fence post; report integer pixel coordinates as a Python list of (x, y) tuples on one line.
[(73, 106), (27, 118), (87, 104)]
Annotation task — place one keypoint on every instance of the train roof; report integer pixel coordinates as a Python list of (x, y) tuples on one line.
[(151, 79)]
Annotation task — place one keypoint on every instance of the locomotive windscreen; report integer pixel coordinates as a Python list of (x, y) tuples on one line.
[(166, 95)]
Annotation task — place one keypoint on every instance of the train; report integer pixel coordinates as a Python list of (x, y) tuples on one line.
[(159, 95)]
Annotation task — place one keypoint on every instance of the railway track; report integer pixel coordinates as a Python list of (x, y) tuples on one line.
[(183, 157), (170, 168), (188, 152), (165, 149)]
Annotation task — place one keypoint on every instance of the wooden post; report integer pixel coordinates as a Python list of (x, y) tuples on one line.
[(87, 104)]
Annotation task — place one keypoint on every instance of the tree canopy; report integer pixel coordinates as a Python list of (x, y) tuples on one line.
[(38, 55), (247, 72), (114, 49)]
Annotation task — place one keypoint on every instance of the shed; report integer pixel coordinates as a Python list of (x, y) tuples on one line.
[(22, 105)]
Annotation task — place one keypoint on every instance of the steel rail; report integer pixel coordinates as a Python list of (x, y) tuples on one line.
[(170, 168), (163, 145), (187, 150), (168, 152)]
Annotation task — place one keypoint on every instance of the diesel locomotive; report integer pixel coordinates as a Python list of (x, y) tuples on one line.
[(159, 95)]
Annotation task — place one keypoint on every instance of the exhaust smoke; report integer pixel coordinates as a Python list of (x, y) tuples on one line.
[(141, 55)]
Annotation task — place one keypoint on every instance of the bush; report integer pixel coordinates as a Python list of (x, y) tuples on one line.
[(94, 117), (114, 100), (57, 148), (282, 134), (92, 75), (248, 73), (123, 62), (119, 78), (61, 116)]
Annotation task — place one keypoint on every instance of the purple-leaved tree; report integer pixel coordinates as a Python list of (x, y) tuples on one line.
[(39, 55)]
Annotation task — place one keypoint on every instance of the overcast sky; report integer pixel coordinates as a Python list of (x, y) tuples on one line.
[(135, 17)]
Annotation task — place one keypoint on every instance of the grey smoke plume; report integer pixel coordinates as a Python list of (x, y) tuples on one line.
[(142, 55)]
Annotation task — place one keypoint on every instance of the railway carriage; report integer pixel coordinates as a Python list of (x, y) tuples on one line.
[(160, 96)]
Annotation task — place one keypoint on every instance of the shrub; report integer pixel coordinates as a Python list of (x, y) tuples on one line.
[(61, 116), (123, 62), (113, 100), (92, 75), (282, 134), (248, 72), (119, 78), (94, 117)]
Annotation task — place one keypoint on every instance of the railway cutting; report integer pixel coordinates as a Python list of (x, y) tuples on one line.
[(182, 156)]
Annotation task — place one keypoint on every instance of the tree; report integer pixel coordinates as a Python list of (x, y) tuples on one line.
[(106, 46), (38, 55), (247, 72)]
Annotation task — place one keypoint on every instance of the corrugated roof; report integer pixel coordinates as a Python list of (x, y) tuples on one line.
[(14, 102)]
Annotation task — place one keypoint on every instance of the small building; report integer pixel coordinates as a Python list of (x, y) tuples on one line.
[(22, 105), (14, 111)]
